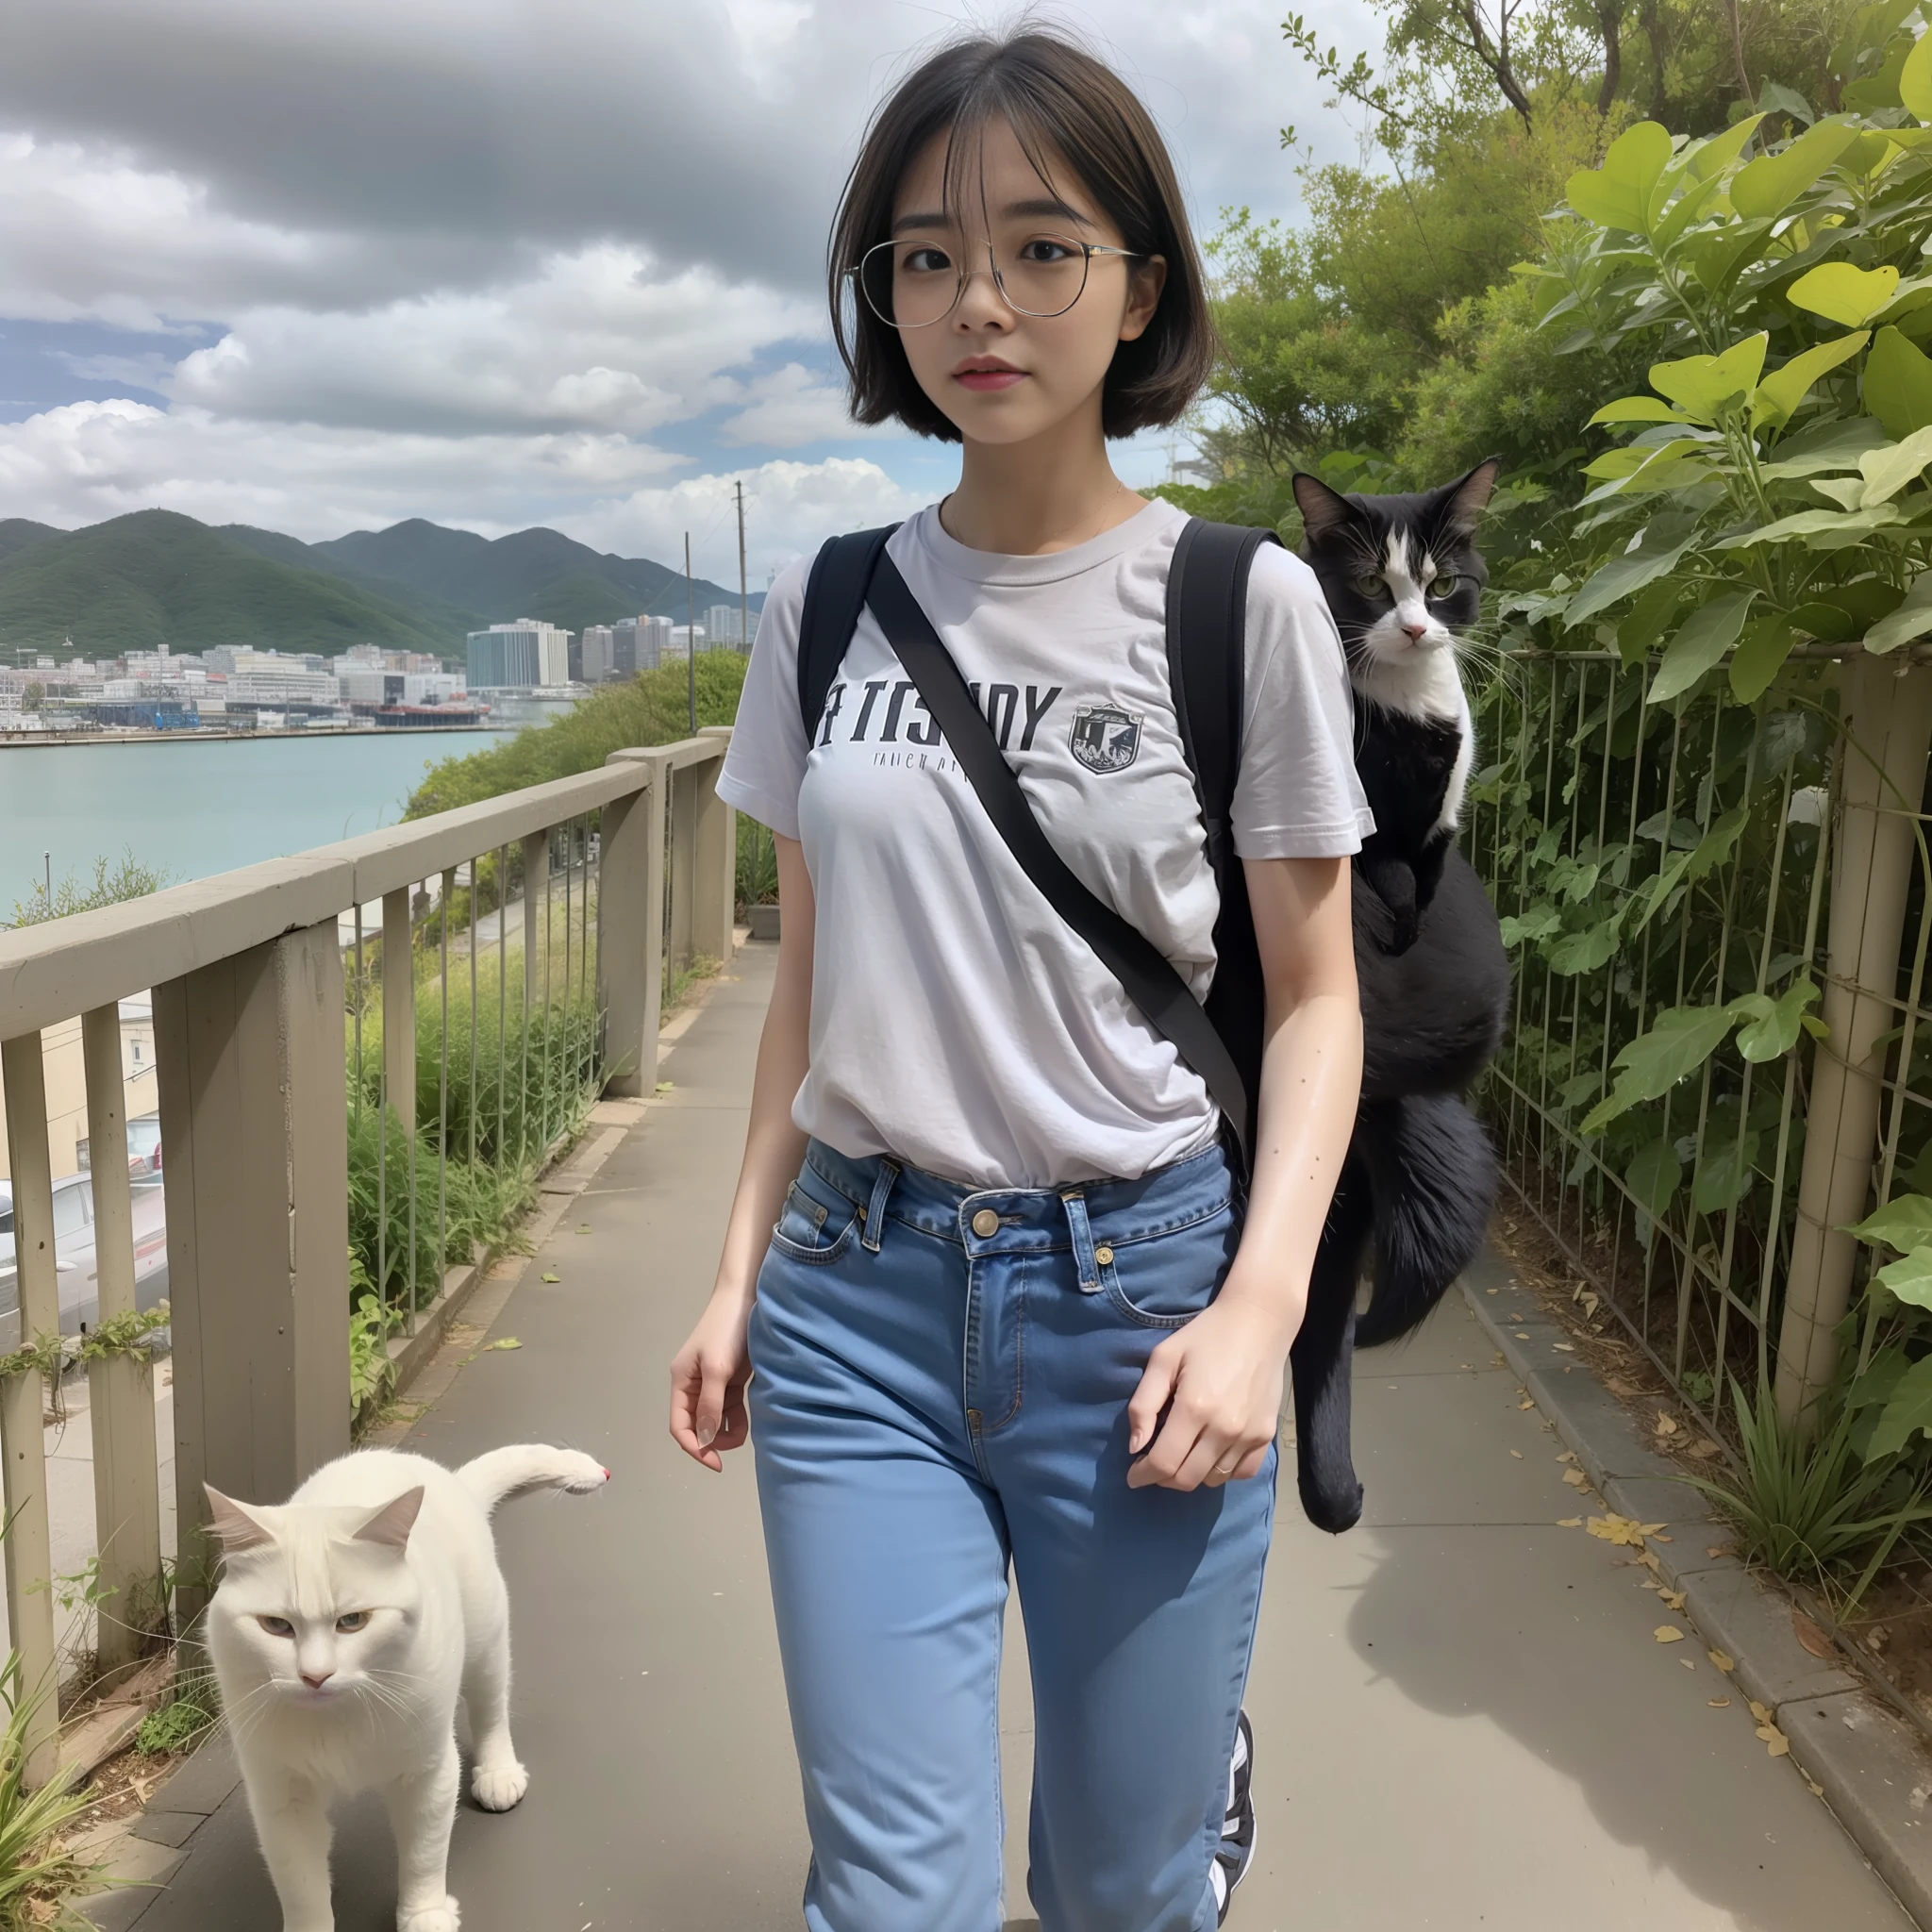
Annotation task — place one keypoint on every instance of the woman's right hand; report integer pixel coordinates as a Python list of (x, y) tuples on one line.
[(707, 1378)]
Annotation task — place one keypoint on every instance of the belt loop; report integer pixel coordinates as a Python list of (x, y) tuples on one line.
[(1076, 1205), (873, 1212)]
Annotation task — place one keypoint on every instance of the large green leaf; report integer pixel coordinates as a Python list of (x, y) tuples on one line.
[(1773, 1025), (1769, 184), (1618, 193), (1888, 469), (1908, 1411), (1653, 1175), (1830, 530), (1843, 293), (1679, 1041), (1704, 386), (1664, 541), (1635, 409), (1584, 952), (1726, 1173), (1703, 638), (1903, 1222), (1785, 388), (1704, 161), (1703, 858), (1827, 446), (1912, 619), (1915, 80), (1759, 657), (1643, 629), (1909, 1278), (1898, 383)]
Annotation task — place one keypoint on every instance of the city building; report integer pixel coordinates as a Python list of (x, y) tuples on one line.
[(525, 656), (683, 638), (639, 644), (597, 654), (725, 625)]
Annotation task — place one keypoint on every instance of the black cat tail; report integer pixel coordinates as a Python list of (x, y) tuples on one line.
[(1433, 1177), (1322, 1356)]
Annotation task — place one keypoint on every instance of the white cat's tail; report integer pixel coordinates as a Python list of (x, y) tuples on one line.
[(504, 1472)]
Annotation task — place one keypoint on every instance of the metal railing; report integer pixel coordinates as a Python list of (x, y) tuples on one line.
[(284, 1029), (1653, 861)]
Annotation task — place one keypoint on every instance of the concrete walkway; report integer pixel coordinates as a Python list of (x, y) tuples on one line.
[(1463, 1717)]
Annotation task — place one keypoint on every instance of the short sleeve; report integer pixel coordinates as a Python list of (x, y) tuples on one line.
[(765, 763), (1297, 796)]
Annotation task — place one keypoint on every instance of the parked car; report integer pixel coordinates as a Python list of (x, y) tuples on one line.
[(77, 1269)]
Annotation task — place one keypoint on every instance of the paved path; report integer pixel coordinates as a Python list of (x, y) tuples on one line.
[(1463, 1718)]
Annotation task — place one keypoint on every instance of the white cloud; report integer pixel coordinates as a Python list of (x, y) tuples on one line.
[(791, 407)]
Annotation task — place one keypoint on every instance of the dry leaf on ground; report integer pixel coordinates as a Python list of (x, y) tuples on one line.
[(1527, 1402), (1569, 1523), (1811, 1636), (1567, 1456), (1704, 1450), (1775, 1743), (1718, 1550), (551, 1277), (1723, 1660), (1564, 1347), (1673, 1597), (1719, 1703), (1518, 1454), (1666, 1423), (1760, 1711), (1625, 1530), (1668, 1633), (1576, 1479), (498, 1346)]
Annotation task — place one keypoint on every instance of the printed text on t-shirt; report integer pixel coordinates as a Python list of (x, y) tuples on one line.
[(873, 709)]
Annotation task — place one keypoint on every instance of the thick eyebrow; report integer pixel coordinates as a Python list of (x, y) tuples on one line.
[(1049, 206)]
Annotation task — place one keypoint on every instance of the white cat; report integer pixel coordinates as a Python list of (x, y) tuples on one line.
[(348, 1621)]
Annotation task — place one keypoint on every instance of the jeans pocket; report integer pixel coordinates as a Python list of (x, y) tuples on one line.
[(1165, 1280), (813, 1231)]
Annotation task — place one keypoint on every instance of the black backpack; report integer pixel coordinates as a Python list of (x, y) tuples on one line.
[(1207, 612)]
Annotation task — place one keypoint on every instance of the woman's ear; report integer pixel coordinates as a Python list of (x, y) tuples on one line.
[(1145, 280)]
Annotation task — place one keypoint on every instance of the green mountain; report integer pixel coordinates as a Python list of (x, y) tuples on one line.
[(531, 573), (156, 576)]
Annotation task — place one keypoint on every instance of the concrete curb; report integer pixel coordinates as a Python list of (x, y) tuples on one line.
[(1873, 1768)]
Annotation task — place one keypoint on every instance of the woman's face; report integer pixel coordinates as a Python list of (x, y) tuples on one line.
[(1001, 376)]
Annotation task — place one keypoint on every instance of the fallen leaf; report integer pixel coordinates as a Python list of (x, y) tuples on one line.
[(1518, 1454), (1816, 1789), (1813, 1639), (666, 1086), (1527, 1402), (1568, 1455), (1490, 1291), (1775, 1743), (1665, 1539), (1724, 1661), (1564, 1347), (1521, 1334), (1576, 1479), (1760, 1711), (1569, 1523), (503, 1342), (1649, 1582), (1719, 1703), (1590, 1304), (1666, 1423), (1618, 1529), (551, 1277), (1668, 1633), (1704, 1450), (1617, 1386), (1687, 1663), (1718, 1550), (1649, 1558), (1673, 1597)]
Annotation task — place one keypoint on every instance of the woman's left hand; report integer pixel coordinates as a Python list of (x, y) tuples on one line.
[(1220, 1380)]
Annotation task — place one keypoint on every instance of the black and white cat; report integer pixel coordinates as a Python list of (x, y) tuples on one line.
[(1401, 576)]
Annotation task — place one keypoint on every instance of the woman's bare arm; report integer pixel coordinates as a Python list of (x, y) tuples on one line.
[(1220, 1379), (709, 1375)]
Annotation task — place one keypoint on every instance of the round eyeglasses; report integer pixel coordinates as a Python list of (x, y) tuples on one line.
[(913, 284)]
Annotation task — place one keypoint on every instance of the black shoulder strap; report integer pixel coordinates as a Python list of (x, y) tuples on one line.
[(1151, 982), (834, 596), (1207, 631)]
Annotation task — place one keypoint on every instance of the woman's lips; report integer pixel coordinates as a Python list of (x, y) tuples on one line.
[(990, 378)]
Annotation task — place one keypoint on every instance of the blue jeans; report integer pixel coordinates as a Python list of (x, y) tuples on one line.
[(940, 1386)]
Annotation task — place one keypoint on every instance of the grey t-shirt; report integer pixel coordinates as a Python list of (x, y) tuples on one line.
[(957, 1024)]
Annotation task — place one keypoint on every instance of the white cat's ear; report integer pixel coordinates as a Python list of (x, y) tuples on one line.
[(390, 1525), (1324, 510), (232, 1524), (1464, 502)]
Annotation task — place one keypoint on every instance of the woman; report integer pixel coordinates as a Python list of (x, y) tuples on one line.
[(1002, 1295)]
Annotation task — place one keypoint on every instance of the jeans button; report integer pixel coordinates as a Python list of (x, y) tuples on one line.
[(986, 1224), (1104, 1255)]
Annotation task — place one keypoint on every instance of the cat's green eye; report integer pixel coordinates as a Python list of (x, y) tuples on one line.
[(355, 1621), (1372, 586), (276, 1627), (1446, 584)]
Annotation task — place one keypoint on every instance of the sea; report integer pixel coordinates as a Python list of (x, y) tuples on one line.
[(194, 806)]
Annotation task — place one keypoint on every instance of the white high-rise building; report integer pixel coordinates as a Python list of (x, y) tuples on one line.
[(526, 654), (730, 626), (600, 653)]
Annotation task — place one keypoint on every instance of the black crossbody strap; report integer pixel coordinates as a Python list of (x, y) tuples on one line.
[(1154, 986), (834, 596)]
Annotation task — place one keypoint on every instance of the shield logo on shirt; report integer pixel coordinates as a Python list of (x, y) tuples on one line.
[(1105, 739)]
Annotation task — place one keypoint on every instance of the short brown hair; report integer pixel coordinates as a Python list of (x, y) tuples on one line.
[(1062, 101)]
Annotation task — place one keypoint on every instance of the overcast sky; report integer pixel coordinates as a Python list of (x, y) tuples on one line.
[(323, 264)]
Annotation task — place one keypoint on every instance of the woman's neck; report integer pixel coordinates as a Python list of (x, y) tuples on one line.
[(1032, 498)]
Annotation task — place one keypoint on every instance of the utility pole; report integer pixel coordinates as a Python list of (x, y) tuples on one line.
[(744, 595), (691, 635)]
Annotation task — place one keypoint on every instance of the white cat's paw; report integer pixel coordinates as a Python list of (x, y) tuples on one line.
[(499, 1786), (442, 1918)]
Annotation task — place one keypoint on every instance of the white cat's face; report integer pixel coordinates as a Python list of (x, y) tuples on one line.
[(318, 1604), (1415, 587)]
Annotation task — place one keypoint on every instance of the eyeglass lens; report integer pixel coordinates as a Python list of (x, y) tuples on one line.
[(912, 283)]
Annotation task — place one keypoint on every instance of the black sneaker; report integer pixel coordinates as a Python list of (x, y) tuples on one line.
[(1236, 1849)]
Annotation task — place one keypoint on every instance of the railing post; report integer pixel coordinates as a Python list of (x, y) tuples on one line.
[(29, 1547), (399, 1009), (120, 1388), (714, 890), (631, 930), (254, 1115), (1886, 718), (680, 942)]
